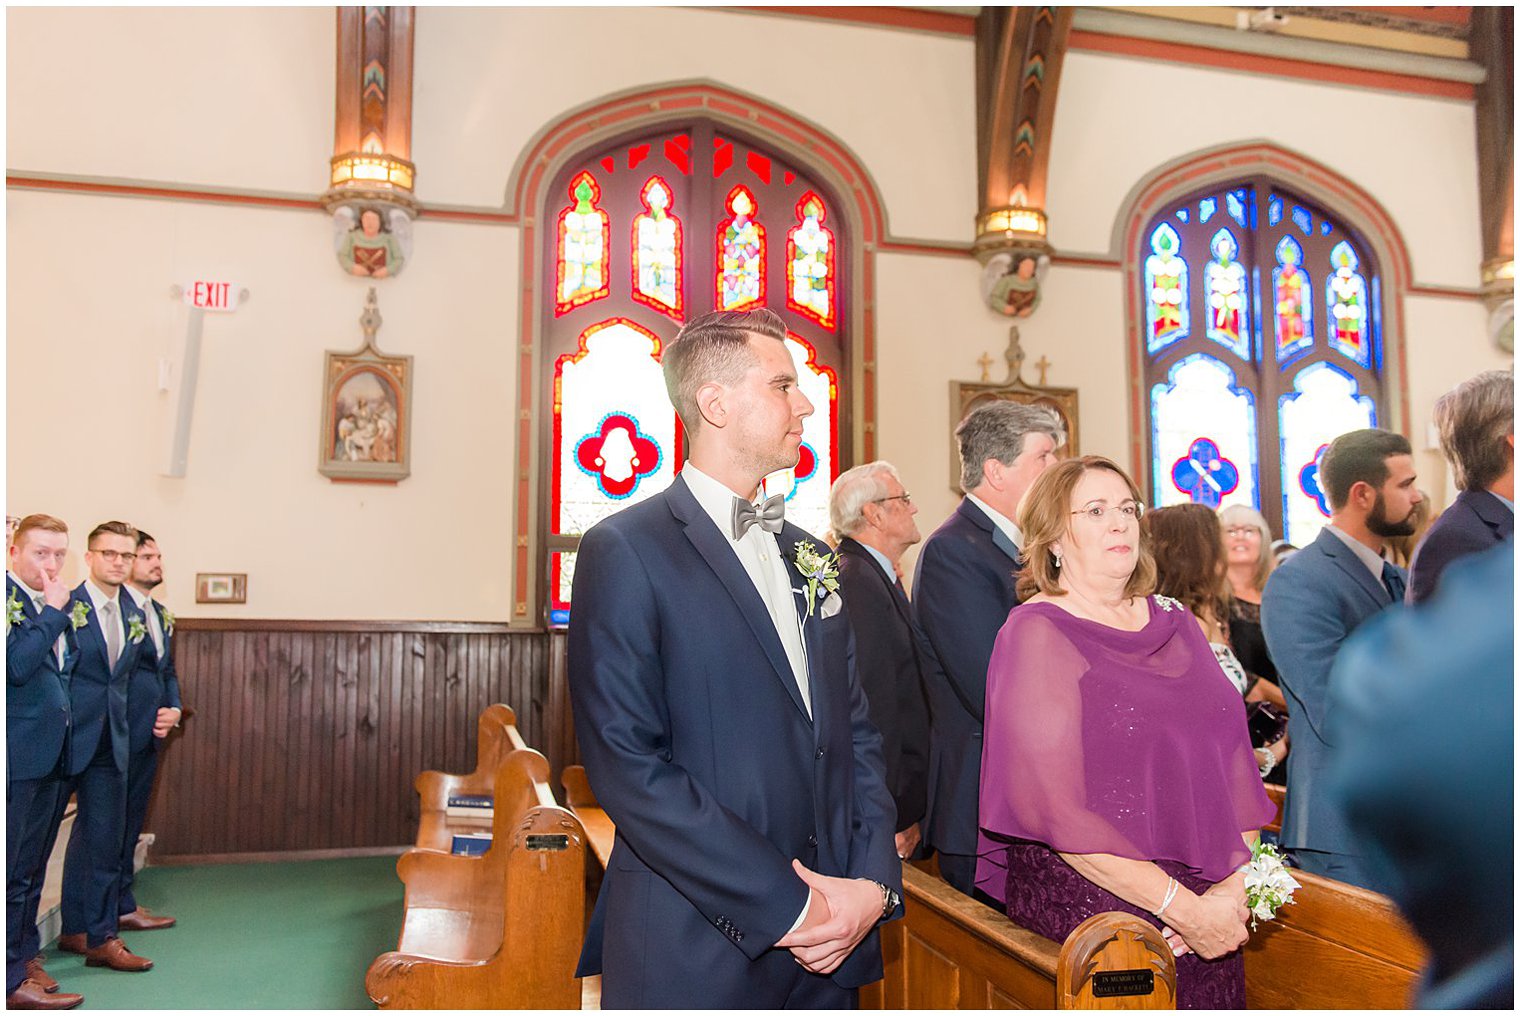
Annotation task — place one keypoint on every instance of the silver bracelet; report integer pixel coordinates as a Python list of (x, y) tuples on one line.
[(1266, 767), (1171, 894)]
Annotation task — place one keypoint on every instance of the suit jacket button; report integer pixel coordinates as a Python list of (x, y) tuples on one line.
[(820, 753), (812, 840)]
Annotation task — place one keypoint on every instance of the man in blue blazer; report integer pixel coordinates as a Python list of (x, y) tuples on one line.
[(872, 513), (963, 589), (1312, 603), (113, 643), (1476, 421), (720, 719), (153, 709), (39, 653)]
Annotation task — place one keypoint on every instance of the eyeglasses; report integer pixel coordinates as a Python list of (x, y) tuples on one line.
[(116, 555), (904, 497), (1241, 532), (1130, 510)]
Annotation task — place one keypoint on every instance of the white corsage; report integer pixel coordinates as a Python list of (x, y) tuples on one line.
[(168, 622), (13, 612), (136, 630), (1269, 884), (80, 615), (822, 574)]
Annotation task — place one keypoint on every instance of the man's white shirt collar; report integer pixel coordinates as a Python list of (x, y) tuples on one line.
[(716, 500), (141, 599), (1366, 554), (97, 595), (1000, 520), (33, 593), (883, 560)]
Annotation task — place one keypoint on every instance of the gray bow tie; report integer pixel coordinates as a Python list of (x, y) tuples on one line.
[(768, 516)]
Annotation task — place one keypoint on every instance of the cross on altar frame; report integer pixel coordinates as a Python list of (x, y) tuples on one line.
[(985, 362), (1043, 365)]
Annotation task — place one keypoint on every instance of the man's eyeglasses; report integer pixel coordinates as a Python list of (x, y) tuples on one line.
[(1131, 510), (904, 497), (115, 555)]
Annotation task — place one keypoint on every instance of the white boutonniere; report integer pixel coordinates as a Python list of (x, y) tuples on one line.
[(13, 612), (80, 615), (168, 622), (1269, 884), (822, 574), (136, 630)]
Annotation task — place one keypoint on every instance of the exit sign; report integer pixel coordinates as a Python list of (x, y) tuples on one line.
[(207, 294)]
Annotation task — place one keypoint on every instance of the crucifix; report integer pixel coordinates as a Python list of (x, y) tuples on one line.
[(1042, 365), (985, 362)]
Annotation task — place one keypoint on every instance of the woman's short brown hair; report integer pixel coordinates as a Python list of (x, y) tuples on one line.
[(1045, 519), (1190, 562)]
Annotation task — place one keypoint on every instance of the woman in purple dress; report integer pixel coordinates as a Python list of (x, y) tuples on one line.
[(1117, 771)]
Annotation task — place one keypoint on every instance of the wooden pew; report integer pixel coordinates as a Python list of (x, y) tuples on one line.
[(599, 828), (496, 736), (498, 931), (1278, 793)]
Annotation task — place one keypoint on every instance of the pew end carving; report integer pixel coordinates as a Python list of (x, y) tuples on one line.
[(1116, 961), (496, 736), (580, 799)]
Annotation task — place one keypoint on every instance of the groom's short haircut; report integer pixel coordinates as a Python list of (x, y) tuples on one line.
[(713, 347)]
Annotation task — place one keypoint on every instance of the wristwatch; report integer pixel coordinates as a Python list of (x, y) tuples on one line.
[(890, 899)]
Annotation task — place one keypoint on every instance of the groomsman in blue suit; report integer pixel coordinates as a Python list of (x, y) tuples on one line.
[(113, 642), (39, 654), (153, 709), (720, 718), (1312, 604), (963, 590)]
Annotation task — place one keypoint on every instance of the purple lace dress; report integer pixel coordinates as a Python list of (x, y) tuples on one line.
[(1100, 740)]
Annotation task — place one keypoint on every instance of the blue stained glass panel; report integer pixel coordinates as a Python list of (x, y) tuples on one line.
[(1292, 308), (1325, 228), (1203, 436), (1346, 302), (1224, 281), (1274, 210), (1323, 405), (1206, 209), (1235, 204), (1182, 215), (1166, 286), (1303, 220)]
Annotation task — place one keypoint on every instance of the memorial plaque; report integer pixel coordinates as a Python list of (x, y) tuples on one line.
[(549, 841), (1117, 983)]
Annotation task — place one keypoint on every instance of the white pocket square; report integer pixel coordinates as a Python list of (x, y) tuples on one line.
[(831, 606)]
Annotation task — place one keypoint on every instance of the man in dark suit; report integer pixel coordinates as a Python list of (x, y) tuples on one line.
[(1312, 603), (1476, 421), (38, 657), (720, 719), (1426, 773), (113, 642), (963, 590), (872, 513), (153, 709)]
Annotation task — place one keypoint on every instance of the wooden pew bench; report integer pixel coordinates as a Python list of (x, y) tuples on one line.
[(579, 798), (502, 930), (496, 737)]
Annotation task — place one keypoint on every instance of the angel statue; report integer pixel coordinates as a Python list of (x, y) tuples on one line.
[(1011, 281), (377, 244)]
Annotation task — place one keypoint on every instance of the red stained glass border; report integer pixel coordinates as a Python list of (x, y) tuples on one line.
[(653, 302), (829, 320), (722, 230), (562, 306)]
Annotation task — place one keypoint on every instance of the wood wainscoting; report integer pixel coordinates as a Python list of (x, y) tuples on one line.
[(306, 735)]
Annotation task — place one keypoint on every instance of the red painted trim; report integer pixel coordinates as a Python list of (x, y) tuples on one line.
[(493, 218), (1074, 261), (942, 22), (1446, 292), (1183, 53), (1436, 15), (901, 247), (176, 194)]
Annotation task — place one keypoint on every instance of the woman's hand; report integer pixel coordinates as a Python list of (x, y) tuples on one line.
[(1211, 925)]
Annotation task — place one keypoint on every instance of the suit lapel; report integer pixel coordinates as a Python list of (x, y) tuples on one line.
[(899, 599), (720, 557), (981, 520), (1492, 511), (1344, 556), (91, 637), (812, 643)]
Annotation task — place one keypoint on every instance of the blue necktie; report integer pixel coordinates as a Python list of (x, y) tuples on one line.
[(1393, 581)]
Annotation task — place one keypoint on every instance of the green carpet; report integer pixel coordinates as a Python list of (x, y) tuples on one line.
[(294, 935)]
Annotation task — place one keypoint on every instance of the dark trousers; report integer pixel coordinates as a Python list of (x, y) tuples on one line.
[(1346, 868), (92, 864), (32, 812), (142, 767), (959, 870)]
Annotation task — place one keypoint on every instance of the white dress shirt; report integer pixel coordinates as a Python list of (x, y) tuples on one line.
[(141, 599), (883, 560), (98, 599), (1366, 554), (37, 603), (1000, 520)]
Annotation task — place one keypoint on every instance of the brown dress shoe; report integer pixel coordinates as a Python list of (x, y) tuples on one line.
[(35, 972), (142, 919), (114, 953), (29, 995), (73, 943)]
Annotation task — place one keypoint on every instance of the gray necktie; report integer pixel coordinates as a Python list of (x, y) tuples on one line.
[(769, 516), (112, 629), (37, 602)]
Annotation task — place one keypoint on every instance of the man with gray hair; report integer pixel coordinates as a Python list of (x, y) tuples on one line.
[(872, 514), (963, 590), (1476, 421)]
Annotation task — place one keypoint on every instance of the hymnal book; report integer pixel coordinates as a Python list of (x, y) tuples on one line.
[(470, 808), (471, 844)]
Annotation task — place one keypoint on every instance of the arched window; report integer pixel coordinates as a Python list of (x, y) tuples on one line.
[(1261, 346), (706, 219)]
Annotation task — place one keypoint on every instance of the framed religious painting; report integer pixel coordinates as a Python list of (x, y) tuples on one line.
[(366, 412)]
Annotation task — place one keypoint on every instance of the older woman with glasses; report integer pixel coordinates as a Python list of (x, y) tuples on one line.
[(1117, 772)]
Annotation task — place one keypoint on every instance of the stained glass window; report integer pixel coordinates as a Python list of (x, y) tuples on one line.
[(1323, 405), (614, 431), (807, 486), (1166, 284), (1247, 426), (584, 232), (1203, 436), (1292, 309), (1225, 279), (741, 254), (1346, 297), (657, 250), (810, 262)]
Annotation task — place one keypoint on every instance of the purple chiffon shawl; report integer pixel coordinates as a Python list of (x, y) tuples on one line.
[(1104, 741)]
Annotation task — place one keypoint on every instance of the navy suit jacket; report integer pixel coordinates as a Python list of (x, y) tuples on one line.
[(1312, 602), (697, 743), (97, 692), (37, 688), (155, 686), (886, 658), (1475, 522), (963, 589)]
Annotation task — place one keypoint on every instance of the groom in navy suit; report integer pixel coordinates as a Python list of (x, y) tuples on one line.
[(1312, 604), (113, 642), (720, 718)]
